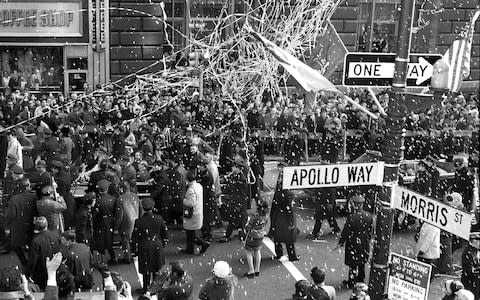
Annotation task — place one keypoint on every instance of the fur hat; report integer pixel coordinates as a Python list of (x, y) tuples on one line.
[(221, 269)]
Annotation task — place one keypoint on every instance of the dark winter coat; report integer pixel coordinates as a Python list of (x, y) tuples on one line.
[(463, 184), (235, 205), (107, 215), (180, 288), (148, 240), (210, 208), (423, 183), (283, 221), (160, 192), (178, 188), (471, 270), (84, 225), (21, 211), (44, 245), (356, 236), (218, 289)]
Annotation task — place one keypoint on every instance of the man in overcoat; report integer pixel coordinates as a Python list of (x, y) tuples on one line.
[(235, 206), (148, 241), (45, 244), (283, 221), (471, 265), (21, 211), (356, 235), (107, 215), (178, 178)]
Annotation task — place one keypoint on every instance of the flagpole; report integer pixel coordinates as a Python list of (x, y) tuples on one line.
[(392, 151)]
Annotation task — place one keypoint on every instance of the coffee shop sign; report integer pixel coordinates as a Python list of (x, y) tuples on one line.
[(40, 19)]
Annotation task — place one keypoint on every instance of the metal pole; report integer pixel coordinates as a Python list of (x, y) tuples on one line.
[(392, 151)]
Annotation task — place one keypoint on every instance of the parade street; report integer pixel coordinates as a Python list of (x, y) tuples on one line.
[(277, 278)]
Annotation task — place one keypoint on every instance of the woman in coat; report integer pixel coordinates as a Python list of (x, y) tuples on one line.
[(283, 227), (193, 214)]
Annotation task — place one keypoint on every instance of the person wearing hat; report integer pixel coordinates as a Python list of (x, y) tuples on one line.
[(221, 285), (211, 215), (78, 258), (87, 149), (44, 245), (178, 176), (20, 213), (107, 215), (356, 235), (98, 175), (431, 168), (471, 265), (62, 181), (283, 229), (51, 206), (149, 238), (174, 285), (11, 184), (50, 147), (40, 176), (463, 183), (235, 207)]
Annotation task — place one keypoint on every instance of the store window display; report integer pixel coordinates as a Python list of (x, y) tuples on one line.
[(33, 68)]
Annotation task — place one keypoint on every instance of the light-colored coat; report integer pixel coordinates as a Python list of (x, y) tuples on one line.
[(194, 198), (429, 242)]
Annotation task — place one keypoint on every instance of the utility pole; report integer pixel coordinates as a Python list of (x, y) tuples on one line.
[(392, 151)]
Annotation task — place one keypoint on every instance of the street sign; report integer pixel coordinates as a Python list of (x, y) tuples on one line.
[(409, 279), (432, 211), (376, 69), (319, 176)]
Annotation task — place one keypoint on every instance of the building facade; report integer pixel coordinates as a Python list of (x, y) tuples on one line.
[(47, 46)]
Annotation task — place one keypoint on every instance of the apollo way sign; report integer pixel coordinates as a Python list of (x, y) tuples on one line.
[(319, 176), (376, 69), (432, 211)]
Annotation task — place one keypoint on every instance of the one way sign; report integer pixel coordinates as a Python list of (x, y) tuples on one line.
[(376, 69)]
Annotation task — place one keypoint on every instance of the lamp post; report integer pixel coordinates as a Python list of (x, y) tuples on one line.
[(199, 59), (392, 151)]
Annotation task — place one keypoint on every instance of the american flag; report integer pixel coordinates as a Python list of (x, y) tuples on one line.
[(458, 56)]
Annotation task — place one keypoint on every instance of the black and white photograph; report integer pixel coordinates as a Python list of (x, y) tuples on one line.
[(239, 149)]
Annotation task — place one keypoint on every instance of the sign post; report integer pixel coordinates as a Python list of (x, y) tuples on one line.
[(432, 211), (409, 279), (377, 69)]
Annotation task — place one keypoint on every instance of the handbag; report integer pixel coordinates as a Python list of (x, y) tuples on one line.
[(187, 212)]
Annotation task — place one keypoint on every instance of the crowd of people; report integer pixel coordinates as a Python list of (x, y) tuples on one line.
[(204, 162)]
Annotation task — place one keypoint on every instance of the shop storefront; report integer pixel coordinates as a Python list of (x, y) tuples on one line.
[(45, 46)]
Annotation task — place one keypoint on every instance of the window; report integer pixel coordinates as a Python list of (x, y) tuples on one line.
[(35, 68), (377, 25)]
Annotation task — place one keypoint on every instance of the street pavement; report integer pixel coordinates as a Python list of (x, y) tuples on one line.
[(277, 278)]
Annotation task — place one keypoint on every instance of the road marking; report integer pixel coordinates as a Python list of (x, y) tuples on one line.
[(286, 263)]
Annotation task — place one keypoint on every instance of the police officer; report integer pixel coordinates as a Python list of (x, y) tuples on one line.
[(356, 236)]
